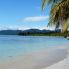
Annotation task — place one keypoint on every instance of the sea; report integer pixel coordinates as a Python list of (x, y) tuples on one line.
[(12, 46)]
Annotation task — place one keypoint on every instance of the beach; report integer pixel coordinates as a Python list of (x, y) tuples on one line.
[(52, 58), (34, 34), (63, 64)]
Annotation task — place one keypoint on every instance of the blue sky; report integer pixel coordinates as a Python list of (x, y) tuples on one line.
[(23, 13)]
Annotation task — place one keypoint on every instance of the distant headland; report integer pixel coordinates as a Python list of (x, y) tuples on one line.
[(33, 32)]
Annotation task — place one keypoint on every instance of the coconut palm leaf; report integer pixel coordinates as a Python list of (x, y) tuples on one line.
[(46, 2), (59, 12)]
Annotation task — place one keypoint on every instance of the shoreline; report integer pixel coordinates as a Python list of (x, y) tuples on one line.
[(38, 60), (64, 64)]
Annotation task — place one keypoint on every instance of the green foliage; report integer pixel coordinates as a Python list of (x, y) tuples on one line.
[(59, 13), (47, 34)]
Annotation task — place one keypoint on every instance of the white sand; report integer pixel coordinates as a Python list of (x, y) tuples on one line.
[(64, 64), (60, 65), (53, 58)]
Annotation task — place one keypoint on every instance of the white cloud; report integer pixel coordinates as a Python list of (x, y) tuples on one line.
[(13, 27), (45, 27), (36, 18), (22, 28), (25, 28)]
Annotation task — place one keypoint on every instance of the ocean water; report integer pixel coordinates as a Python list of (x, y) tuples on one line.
[(13, 46)]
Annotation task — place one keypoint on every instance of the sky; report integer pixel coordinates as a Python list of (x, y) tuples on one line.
[(23, 14)]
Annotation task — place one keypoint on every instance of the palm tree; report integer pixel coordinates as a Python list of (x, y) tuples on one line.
[(59, 13)]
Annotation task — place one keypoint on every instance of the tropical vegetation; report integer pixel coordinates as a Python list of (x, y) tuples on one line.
[(59, 14)]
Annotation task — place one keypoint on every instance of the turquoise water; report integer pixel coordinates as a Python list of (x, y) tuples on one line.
[(12, 46)]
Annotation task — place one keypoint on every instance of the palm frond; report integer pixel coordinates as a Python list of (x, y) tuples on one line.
[(59, 12), (43, 4), (46, 2)]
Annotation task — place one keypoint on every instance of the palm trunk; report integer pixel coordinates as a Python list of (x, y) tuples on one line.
[(65, 34), (64, 28)]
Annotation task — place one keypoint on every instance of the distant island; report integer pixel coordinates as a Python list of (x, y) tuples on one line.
[(44, 32), (9, 32), (33, 32)]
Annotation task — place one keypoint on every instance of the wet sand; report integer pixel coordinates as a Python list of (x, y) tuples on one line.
[(52, 58)]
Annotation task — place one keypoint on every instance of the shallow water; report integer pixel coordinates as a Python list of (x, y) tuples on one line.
[(12, 46)]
